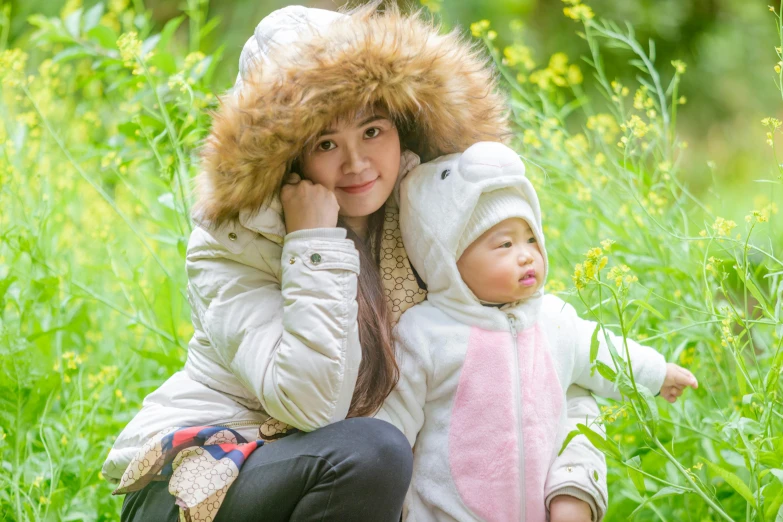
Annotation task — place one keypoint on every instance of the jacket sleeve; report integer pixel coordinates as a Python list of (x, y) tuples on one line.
[(580, 471), (404, 407), (649, 366), (291, 338)]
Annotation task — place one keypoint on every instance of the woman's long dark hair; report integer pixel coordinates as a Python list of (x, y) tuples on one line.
[(378, 371)]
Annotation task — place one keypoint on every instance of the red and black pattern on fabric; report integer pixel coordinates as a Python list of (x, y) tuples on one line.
[(200, 462)]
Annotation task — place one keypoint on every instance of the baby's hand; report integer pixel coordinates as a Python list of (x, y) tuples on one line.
[(565, 508), (677, 379)]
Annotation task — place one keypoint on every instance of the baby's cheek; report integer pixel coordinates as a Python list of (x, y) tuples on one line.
[(499, 281)]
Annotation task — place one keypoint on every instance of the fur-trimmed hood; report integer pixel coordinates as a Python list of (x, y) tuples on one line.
[(441, 85)]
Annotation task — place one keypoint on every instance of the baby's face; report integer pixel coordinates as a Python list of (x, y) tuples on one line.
[(504, 264)]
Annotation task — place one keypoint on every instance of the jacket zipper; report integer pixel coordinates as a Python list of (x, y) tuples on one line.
[(513, 328), (238, 424)]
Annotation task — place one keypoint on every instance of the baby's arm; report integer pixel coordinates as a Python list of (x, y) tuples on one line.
[(580, 471), (649, 367), (404, 407)]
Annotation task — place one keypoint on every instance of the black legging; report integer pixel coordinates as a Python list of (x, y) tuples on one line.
[(353, 470)]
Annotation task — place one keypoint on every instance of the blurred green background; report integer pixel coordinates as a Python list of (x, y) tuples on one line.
[(94, 222), (727, 44)]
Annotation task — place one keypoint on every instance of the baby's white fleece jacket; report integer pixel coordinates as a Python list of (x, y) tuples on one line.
[(482, 390)]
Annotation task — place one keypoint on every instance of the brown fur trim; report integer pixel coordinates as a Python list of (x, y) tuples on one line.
[(441, 83)]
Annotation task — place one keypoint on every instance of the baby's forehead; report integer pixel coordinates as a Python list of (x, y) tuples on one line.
[(511, 225)]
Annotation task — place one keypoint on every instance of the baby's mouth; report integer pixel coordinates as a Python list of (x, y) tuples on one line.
[(529, 279)]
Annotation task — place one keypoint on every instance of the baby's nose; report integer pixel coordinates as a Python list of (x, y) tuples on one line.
[(489, 159)]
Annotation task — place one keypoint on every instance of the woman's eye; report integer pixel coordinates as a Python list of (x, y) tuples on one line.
[(325, 145), (372, 132)]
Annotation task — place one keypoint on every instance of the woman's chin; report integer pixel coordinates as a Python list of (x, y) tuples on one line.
[(351, 207)]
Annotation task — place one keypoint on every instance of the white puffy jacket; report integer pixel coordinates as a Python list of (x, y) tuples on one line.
[(275, 334)]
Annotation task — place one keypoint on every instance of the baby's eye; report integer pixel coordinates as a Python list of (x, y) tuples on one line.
[(532, 240), (326, 145), (372, 132), (507, 244)]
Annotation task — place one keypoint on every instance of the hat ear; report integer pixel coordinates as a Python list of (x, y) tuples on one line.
[(488, 160)]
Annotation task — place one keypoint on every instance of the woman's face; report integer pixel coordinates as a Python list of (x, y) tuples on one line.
[(358, 158)]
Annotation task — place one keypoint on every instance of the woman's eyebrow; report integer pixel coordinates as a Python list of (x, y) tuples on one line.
[(372, 119), (363, 123)]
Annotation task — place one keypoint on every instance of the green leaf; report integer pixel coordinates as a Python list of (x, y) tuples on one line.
[(754, 290), (569, 438), (72, 53), (209, 27), (605, 371), (93, 17), (732, 480), (651, 411), (648, 307), (668, 491), (594, 346), (599, 442), (150, 44), (164, 61), (168, 30), (73, 23), (633, 466), (636, 316), (105, 36)]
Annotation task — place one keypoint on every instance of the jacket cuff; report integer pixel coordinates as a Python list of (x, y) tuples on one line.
[(318, 233), (575, 492)]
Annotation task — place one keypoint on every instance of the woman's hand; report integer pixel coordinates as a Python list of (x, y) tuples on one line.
[(676, 380), (307, 205), (565, 508)]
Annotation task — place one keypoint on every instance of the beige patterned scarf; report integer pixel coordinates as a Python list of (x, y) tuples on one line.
[(399, 283)]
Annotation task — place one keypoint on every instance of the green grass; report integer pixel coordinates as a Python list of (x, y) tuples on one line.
[(99, 150)]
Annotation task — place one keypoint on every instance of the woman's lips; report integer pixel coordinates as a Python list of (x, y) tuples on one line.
[(359, 189)]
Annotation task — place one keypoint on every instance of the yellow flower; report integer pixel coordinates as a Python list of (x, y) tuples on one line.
[(636, 126), (130, 47), (605, 125), (584, 194), (12, 67), (554, 286), (679, 66), (529, 137), (579, 12), (574, 75), (578, 276), (479, 28), (723, 227), (519, 54), (606, 244)]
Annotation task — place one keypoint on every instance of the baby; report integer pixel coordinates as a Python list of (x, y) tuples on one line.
[(486, 360)]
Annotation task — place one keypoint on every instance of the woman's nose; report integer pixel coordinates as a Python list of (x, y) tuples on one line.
[(356, 160)]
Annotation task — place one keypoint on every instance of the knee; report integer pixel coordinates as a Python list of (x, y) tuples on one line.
[(379, 452)]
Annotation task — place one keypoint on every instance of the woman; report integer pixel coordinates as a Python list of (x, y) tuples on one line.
[(293, 297)]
